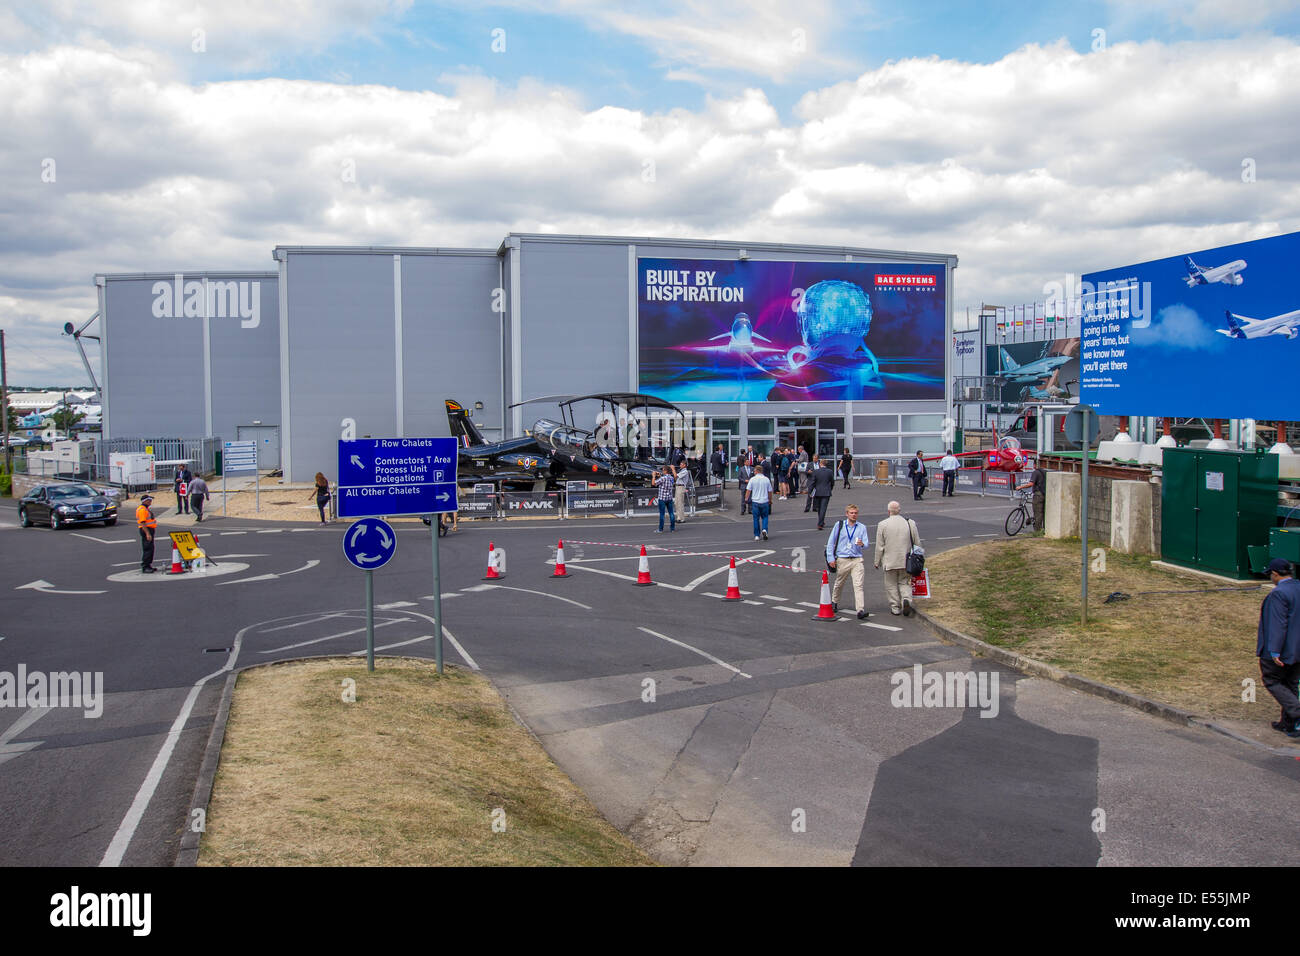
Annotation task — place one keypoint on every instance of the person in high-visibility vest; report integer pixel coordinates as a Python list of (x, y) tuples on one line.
[(144, 520)]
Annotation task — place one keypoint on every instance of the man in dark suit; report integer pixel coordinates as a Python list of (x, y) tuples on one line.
[(744, 471), (916, 471), (823, 483), (718, 465)]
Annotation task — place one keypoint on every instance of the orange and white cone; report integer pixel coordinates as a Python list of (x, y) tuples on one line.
[(177, 567), (559, 562), (824, 610), (733, 583), (492, 573), (643, 570)]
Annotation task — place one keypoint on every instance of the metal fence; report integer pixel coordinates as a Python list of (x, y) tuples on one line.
[(200, 452)]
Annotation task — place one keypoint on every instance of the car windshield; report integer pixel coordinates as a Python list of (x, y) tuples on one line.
[(72, 491)]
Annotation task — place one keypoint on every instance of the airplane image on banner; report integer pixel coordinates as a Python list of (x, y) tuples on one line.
[(1039, 368), (1227, 274), (1241, 327)]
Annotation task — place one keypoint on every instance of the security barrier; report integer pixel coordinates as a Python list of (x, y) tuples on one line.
[(580, 504), (475, 504), (517, 503)]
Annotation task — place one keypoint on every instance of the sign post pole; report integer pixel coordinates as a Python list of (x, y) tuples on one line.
[(370, 620), (1083, 519), (437, 594)]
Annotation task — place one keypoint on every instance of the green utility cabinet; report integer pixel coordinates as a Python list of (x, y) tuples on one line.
[(1214, 504)]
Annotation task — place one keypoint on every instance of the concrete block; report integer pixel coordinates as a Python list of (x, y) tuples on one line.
[(1132, 518), (1061, 511)]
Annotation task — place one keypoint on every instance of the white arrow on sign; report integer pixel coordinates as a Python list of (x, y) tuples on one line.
[(443, 497), (357, 462), (384, 539), (367, 559), (48, 588), (356, 534)]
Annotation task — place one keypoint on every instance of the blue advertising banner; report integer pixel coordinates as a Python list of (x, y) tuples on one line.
[(1213, 334), (750, 330)]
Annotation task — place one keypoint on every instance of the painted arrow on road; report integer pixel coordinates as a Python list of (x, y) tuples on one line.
[(47, 588), (271, 577)]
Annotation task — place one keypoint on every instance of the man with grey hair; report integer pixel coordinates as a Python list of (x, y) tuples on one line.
[(895, 537)]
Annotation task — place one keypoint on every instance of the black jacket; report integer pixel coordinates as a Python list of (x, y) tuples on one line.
[(916, 467), (823, 480)]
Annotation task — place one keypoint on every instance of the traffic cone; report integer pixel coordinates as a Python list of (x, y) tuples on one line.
[(733, 583), (559, 562), (824, 611), (643, 570), (177, 567), (492, 574)]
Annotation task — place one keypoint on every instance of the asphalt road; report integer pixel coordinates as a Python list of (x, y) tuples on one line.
[(714, 732)]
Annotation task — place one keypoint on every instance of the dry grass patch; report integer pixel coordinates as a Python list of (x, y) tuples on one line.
[(410, 774), (1191, 650)]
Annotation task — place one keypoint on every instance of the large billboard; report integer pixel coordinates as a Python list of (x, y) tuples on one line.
[(1213, 334), (752, 331)]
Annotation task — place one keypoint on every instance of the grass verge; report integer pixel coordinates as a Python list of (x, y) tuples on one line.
[(1191, 650), (415, 772)]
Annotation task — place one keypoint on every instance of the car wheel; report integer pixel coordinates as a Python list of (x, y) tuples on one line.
[(56, 522), (110, 522), (23, 519)]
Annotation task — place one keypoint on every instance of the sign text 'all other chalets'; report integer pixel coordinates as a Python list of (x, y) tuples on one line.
[(388, 476)]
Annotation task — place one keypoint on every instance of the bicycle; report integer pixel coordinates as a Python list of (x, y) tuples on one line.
[(1021, 516)]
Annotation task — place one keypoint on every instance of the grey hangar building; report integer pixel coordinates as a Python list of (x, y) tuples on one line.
[(767, 344)]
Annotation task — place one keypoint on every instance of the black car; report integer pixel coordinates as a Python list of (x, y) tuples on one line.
[(64, 504)]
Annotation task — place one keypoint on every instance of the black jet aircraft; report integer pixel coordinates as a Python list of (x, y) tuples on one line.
[(556, 451)]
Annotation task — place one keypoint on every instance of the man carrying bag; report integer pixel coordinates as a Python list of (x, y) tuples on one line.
[(896, 536)]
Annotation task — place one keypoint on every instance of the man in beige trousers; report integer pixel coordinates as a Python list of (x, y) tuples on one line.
[(895, 537)]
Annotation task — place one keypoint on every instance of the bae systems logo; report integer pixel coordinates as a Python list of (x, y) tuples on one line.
[(217, 300), (905, 281)]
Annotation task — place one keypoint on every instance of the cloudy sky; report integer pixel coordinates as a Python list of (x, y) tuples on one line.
[(1032, 139)]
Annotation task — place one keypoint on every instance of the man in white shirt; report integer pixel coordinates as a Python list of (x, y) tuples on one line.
[(758, 492), (844, 555), (948, 465)]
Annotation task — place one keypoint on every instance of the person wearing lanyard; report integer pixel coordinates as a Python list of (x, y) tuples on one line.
[(148, 525), (844, 555)]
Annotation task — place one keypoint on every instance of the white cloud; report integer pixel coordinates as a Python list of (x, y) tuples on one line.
[(1041, 163)]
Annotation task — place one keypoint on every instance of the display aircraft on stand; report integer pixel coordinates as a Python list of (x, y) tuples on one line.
[(1241, 327), (1227, 274), (618, 451)]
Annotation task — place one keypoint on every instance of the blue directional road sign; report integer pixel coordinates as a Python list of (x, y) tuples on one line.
[(239, 456), (370, 543), (397, 476)]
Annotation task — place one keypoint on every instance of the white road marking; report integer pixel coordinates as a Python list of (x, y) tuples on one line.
[(45, 587), (881, 627), (815, 607), (625, 577), (385, 647), (506, 587), (711, 594), (9, 751), (310, 620), (759, 603), (224, 533), (705, 654), (990, 534), (792, 610), (318, 640), (78, 534), (952, 537), (772, 597), (271, 577), (445, 595), (271, 531), (393, 605)]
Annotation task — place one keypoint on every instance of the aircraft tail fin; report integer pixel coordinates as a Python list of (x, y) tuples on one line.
[(462, 428), (1234, 327), (1008, 363)]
